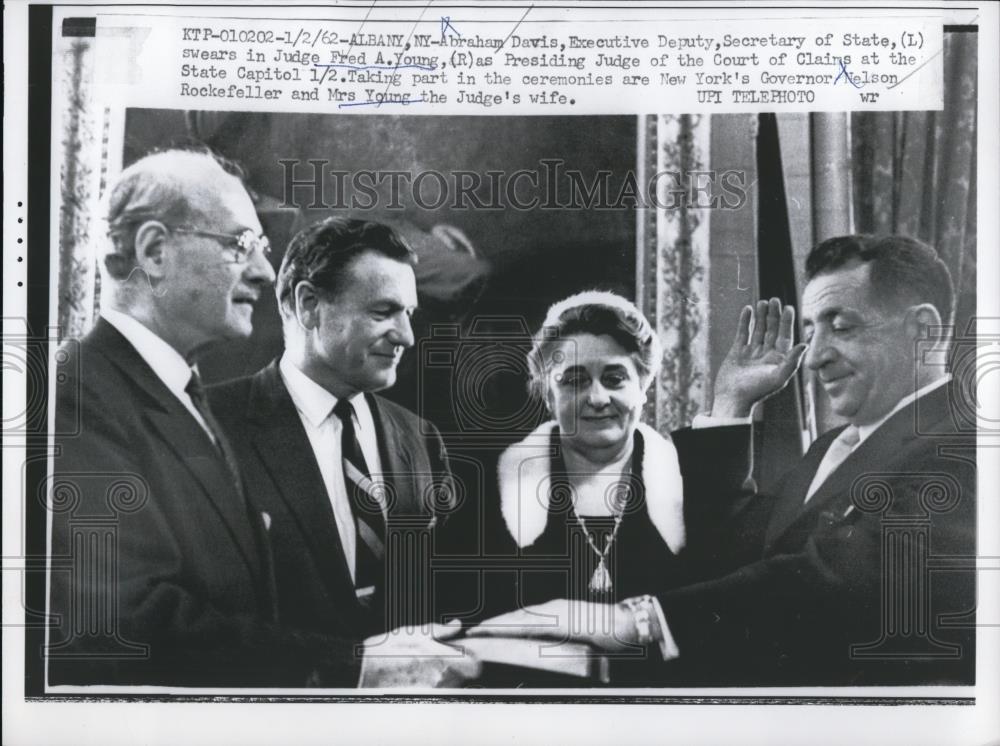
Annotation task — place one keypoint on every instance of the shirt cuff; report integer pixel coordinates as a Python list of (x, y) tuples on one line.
[(668, 648), (703, 421)]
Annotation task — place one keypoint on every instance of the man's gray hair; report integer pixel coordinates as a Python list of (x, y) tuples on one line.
[(150, 190)]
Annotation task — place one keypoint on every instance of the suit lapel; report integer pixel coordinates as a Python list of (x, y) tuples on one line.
[(878, 450), (193, 448), (790, 505), (118, 350), (284, 448), (183, 436), (397, 465)]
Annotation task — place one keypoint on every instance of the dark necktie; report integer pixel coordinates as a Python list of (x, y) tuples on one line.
[(365, 504), (196, 391)]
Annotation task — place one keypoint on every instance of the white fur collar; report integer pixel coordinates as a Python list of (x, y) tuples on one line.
[(524, 486)]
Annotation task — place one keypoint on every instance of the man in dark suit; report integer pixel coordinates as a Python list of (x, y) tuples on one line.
[(841, 576), (354, 483), (161, 571)]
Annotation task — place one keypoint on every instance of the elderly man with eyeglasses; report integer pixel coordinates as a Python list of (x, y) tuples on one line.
[(161, 566)]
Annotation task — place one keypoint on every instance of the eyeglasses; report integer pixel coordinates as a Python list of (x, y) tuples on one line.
[(243, 244)]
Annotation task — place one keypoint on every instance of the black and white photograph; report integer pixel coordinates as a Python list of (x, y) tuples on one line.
[(346, 383)]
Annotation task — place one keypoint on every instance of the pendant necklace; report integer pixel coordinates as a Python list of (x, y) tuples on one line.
[(600, 581)]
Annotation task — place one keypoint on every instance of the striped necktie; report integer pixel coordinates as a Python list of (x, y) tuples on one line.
[(365, 504)]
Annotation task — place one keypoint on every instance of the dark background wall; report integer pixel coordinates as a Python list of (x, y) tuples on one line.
[(537, 256)]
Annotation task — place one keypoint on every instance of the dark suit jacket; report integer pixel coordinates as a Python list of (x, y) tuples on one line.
[(315, 590), (852, 587), (161, 571)]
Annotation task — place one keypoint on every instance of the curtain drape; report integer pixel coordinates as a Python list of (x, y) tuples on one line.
[(915, 171), (77, 272), (672, 266), (86, 60)]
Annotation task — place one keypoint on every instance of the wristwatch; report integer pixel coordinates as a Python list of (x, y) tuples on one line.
[(641, 609)]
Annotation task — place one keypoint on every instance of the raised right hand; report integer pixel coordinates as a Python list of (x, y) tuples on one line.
[(761, 360)]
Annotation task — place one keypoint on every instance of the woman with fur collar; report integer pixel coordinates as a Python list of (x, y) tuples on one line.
[(593, 498)]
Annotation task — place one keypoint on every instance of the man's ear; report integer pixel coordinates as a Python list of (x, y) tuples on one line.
[(306, 299), (150, 249), (923, 322)]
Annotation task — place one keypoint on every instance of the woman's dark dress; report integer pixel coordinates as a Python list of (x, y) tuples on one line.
[(560, 563)]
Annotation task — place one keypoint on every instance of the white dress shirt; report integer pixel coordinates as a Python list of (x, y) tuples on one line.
[(668, 647), (836, 454), (167, 363), (323, 428)]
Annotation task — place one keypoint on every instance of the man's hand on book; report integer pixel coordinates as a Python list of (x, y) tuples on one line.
[(414, 657), (607, 627)]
